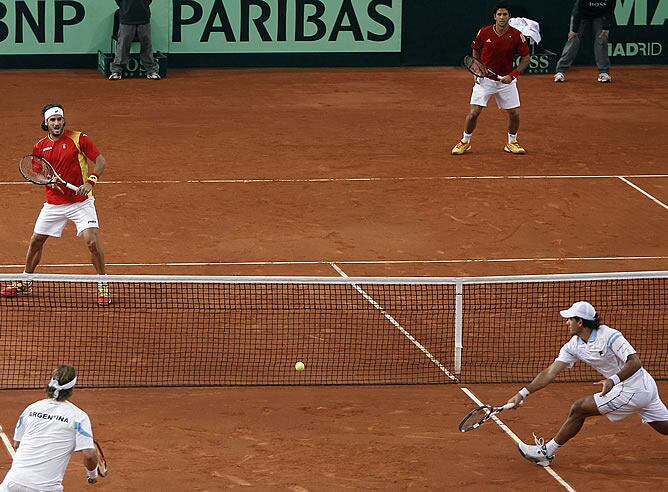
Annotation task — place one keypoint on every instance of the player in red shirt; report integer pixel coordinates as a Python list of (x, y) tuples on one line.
[(69, 152), (496, 46)]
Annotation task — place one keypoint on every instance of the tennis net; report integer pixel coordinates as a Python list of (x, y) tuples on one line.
[(215, 331)]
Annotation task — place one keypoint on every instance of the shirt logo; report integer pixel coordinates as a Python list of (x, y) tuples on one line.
[(488, 40), (47, 148), (64, 146)]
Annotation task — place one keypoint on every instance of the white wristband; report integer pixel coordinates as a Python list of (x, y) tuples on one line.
[(92, 474), (524, 392), (615, 379)]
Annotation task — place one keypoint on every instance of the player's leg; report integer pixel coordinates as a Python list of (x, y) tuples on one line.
[(660, 427), (508, 98), (84, 216), (542, 453), (34, 254), (480, 94), (601, 51)]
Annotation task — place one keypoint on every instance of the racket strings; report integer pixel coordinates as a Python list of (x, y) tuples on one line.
[(35, 169), (475, 418), (475, 66)]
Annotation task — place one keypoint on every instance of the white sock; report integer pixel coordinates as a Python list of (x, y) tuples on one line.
[(27, 279), (552, 447), (512, 137), (467, 137)]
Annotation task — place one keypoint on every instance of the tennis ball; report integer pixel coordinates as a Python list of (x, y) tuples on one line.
[(299, 366)]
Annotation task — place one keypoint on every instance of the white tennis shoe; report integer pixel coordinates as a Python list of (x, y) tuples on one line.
[(560, 77), (536, 453)]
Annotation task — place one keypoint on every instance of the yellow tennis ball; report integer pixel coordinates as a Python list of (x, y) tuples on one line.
[(299, 366)]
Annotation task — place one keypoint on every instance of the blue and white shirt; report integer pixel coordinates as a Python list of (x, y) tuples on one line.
[(606, 351), (49, 432)]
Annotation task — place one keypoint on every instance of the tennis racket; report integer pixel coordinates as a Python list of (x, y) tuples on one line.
[(37, 170), (102, 467), (478, 68), (478, 416)]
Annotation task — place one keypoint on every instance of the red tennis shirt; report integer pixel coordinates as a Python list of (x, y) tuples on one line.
[(498, 52), (69, 156)]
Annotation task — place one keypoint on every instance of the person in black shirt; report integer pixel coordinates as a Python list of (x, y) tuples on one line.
[(134, 20)]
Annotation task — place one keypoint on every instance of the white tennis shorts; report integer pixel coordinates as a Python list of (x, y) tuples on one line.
[(9, 486), (624, 400), (506, 95), (53, 218)]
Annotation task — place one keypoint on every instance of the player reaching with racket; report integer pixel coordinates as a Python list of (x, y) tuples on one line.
[(69, 152), (627, 387), (47, 433), (496, 46)]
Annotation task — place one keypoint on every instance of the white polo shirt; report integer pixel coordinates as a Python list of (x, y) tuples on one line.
[(49, 431), (606, 351)]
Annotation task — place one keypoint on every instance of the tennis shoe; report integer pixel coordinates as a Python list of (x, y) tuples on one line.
[(461, 148), (15, 289), (153, 76), (536, 453), (604, 78), (559, 77), (514, 147), (103, 297), (115, 76)]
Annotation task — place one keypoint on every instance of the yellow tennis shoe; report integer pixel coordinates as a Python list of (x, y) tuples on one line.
[(514, 147), (461, 148)]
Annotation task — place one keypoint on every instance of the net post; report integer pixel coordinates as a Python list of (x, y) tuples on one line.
[(459, 323)]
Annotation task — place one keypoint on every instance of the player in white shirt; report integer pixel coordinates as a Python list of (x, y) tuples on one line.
[(46, 435), (627, 387)]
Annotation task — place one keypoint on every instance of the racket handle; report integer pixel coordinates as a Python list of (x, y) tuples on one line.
[(72, 187), (508, 406)]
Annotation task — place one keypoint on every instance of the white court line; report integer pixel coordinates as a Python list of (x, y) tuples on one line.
[(396, 324), (517, 440), (359, 179), (655, 200), (349, 262), (8, 444)]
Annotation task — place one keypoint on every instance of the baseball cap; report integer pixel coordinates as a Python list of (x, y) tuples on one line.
[(580, 309)]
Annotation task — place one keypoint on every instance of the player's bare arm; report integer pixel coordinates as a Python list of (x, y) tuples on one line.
[(545, 377), (98, 169), (633, 364)]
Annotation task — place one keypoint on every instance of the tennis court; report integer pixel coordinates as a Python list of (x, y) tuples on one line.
[(348, 172)]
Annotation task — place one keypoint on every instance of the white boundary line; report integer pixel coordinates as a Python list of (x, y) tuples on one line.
[(397, 325), (517, 440), (655, 200), (8, 444), (351, 262), (358, 179)]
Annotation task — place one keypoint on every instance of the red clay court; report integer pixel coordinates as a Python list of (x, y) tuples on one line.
[(331, 172)]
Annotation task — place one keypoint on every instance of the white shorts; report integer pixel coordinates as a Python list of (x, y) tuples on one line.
[(53, 218), (9, 486), (506, 95), (624, 400)]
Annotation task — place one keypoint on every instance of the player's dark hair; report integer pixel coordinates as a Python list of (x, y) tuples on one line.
[(64, 374), (592, 324), (45, 108), (502, 5)]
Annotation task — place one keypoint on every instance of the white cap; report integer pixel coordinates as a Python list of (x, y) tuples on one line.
[(580, 309)]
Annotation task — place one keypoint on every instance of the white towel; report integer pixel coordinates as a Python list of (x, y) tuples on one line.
[(528, 27)]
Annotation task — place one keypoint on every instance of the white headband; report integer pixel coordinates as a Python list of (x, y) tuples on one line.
[(55, 111), (57, 386)]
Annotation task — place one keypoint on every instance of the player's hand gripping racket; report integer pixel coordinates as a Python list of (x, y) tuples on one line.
[(38, 170), (102, 468), (478, 416), (477, 68)]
